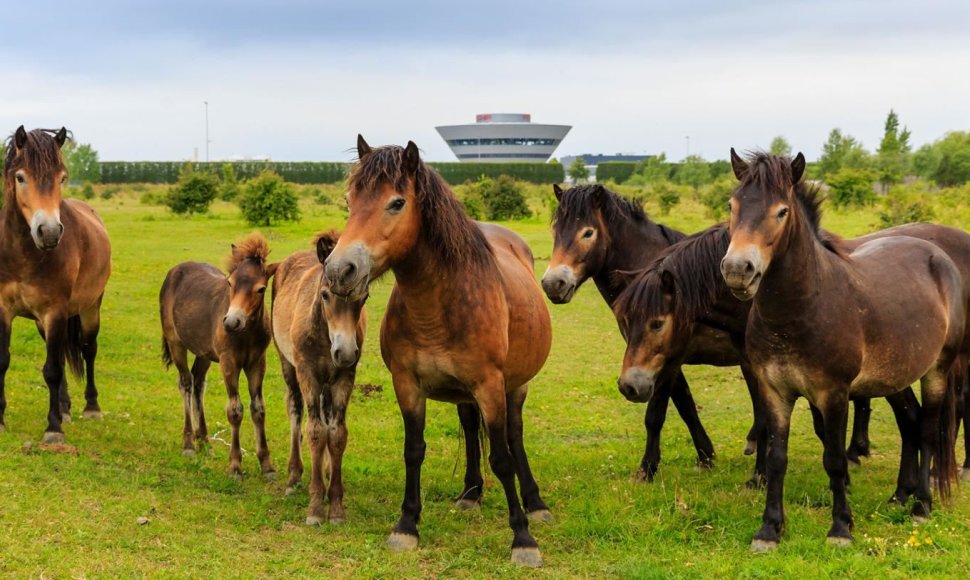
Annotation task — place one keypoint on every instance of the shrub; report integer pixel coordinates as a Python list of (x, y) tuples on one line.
[(905, 204), (851, 187), (715, 196), (109, 192), (267, 198), (503, 198), (578, 171), (667, 195), (86, 191), (153, 198), (618, 171), (229, 188), (194, 191)]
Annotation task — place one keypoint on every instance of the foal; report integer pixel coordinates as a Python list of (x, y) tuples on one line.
[(220, 319), (318, 336)]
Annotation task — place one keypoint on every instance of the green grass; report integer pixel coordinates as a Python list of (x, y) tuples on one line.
[(64, 515)]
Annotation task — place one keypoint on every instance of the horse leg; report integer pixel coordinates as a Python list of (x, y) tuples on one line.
[(906, 409), (200, 368), (90, 327), (491, 399), (294, 409), (535, 508), (965, 392), (933, 389), (313, 394), (234, 413), (684, 402), (412, 402), (4, 364), (778, 409), (55, 331), (653, 420), (257, 408), (180, 359), (835, 414), (335, 421), (470, 419), (65, 397), (757, 430), (859, 442)]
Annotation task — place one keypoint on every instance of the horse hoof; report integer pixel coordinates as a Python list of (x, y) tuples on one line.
[(188, 452), (920, 519), (756, 482), (703, 467), (854, 462), (467, 505), (314, 520), (750, 447), (235, 474), (92, 414), (643, 476), (66, 418), (3, 428), (839, 541), (964, 473), (336, 520), (544, 516), (52, 438), (269, 476), (763, 546), (529, 557), (399, 542)]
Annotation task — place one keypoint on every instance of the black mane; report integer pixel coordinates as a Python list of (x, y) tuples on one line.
[(579, 202)]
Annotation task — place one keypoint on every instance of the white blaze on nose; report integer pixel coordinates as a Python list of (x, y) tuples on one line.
[(235, 316)]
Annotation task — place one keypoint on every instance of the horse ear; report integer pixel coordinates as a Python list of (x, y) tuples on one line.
[(558, 191), (60, 137), (739, 166), (797, 168), (411, 157), (235, 252), (20, 137), (362, 147), (598, 197), (271, 269), (667, 282), (624, 278), (325, 244)]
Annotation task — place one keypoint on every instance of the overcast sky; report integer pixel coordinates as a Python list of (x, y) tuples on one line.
[(298, 80)]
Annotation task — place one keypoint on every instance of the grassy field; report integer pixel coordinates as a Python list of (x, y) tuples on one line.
[(77, 514)]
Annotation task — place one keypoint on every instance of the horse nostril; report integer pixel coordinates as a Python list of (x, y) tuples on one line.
[(748, 267), (61, 226), (348, 272)]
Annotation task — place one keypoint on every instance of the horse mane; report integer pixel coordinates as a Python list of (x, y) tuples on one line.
[(451, 233), (694, 266), (253, 248), (331, 237), (41, 156), (579, 202), (770, 172)]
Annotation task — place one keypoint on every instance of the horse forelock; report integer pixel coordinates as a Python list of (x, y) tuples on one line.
[(253, 248), (40, 156), (579, 204)]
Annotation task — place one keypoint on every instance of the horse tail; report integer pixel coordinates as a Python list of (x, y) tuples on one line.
[(166, 354), (75, 346), (946, 455)]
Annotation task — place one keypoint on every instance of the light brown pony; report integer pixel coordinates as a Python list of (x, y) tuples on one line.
[(466, 322), (318, 336), (223, 320), (55, 259)]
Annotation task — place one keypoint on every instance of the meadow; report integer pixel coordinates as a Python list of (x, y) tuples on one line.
[(122, 500)]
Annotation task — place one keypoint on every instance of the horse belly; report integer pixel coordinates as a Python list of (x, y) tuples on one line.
[(529, 329), (710, 346)]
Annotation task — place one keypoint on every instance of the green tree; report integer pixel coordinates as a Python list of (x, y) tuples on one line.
[(851, 187), (839, 152), (668, 195), (893, 154), (193, 193), (946, 161), (715, 196), (82, 162), (779, 146), (267, 198), (694, 171), (578, 171), (653, 169), (229, 188)]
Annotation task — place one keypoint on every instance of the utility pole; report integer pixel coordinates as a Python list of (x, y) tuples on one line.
[(206, 103)]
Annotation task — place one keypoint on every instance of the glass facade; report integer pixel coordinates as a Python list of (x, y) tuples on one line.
[(542, 156), (526, 141)]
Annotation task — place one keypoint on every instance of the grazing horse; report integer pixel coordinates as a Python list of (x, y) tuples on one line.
[(221, 320), (466, 323), (828, 325), (55, 259), (597, 233), (318, 336)]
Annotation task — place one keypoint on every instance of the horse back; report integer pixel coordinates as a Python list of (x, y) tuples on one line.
[(294, 298), (193, 299)]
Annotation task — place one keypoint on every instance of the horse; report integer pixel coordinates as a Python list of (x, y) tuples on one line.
[(220, 319), (595, 234), (55, 260), (827, 324), (466, 323), (318, 336)]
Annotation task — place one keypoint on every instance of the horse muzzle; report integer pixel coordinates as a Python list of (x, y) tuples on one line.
[(234, 320), (46, 230), (637, 384), (559, 284), (344, 351), (349, 272), (743, 271)]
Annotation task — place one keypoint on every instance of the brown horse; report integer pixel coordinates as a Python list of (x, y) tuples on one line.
[(466, 323), (222, 320), (597, 233), (828, 325), (55, 259), (318, 336)]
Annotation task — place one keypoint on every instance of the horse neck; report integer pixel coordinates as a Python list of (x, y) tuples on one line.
[(632, 246), (15, 241), (793, 285)]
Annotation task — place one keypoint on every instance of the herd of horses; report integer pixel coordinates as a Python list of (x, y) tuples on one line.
[(801, 311)]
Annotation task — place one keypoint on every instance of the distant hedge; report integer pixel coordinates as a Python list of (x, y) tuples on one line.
[(320, 172), (618, 171), (168, 171)]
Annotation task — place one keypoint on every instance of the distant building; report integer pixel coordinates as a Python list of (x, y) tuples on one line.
[(592, 160), (501, 137)]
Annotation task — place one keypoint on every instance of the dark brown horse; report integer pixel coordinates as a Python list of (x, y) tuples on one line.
[(828, 325), (55, 259), (597, 234), (466, 323), (220, 319), (319, 337)]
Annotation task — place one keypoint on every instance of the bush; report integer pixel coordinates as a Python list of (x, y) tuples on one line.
[(851, 187), (268, 198), (194, 191), (503, 198), (153, 198), (667, 196), (905, 204), (86, 191), (578, 171), (229, 188), (109, 192), (618, 171), (715, 196)]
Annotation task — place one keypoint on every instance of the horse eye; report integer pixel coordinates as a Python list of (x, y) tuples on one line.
[(656, 325), (261, 290), (325, 295), (21, 179), (396, 205), (782, 213), (588, 234)]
